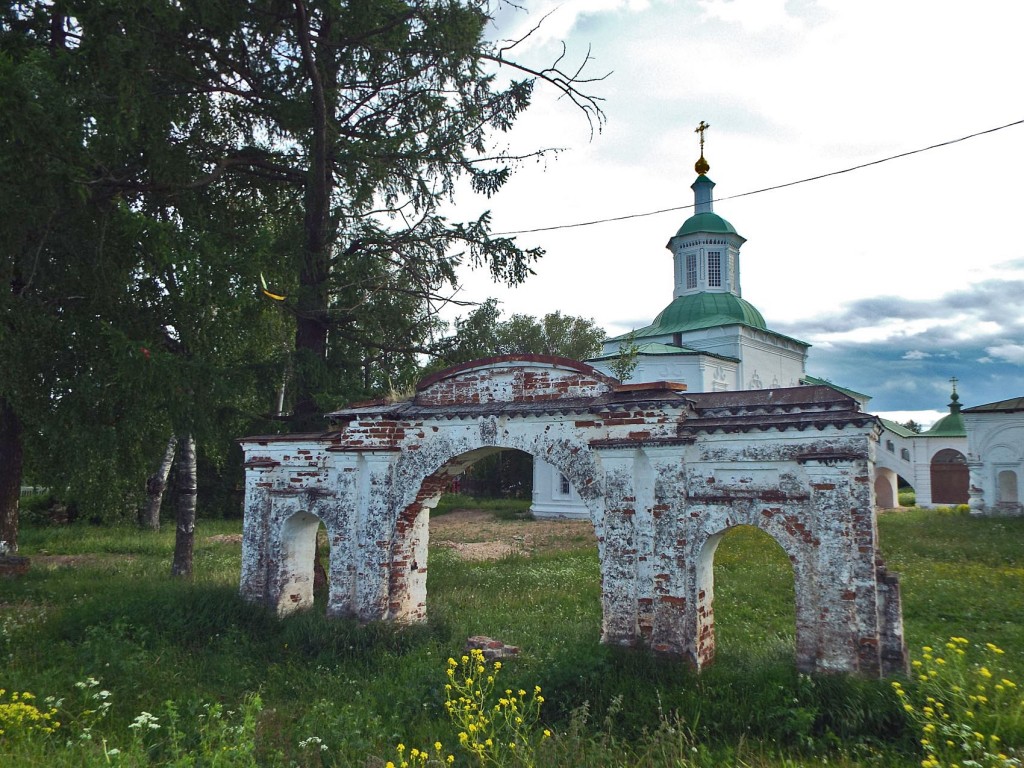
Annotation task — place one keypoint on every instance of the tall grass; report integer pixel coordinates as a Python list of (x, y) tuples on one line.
[(216, 672)]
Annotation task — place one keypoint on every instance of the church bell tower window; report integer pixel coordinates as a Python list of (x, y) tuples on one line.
[(691, 270), (715, 269)]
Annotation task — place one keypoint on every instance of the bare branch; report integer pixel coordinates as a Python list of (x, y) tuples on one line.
[(567, 83)]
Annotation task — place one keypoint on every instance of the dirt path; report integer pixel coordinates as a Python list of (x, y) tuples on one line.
[(477, 535)]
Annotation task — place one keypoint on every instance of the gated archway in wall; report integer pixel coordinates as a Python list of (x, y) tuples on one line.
[(950, 477), (662, 473)]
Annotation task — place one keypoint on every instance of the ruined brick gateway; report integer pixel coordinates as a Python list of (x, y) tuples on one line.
[(664, 474)]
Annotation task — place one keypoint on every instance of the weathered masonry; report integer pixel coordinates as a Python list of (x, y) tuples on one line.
[(664, 474)]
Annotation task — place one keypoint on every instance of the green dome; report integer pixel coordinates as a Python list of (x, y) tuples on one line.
[(706, 222), (705, 310), (951, 425), (948, 426)]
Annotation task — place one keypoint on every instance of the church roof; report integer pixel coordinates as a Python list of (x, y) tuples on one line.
[(1003, 406), (704, 310), (698, 311), (948, 426), (896, 428), (814, 381), (707, 222)]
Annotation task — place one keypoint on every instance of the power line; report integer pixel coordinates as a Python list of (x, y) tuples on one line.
[(759, 191)]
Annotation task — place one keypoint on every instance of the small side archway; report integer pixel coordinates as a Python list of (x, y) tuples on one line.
[(812, 599), (298, 555), (710, 570), (886, 491)]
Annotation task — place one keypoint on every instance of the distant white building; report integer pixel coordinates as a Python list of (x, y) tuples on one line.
[(995, 441), (933, 462)]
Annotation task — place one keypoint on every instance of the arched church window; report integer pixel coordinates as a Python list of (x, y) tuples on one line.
[(890, 447), (904, 454), (691, 270), (563, 486), (715, 269)]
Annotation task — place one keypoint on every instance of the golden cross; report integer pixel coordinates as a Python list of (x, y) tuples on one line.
[(700, 129)]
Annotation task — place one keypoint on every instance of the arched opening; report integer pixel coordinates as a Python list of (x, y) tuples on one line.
[(1006, 482), (299, 535), (411, 545), (503, 474), (748, 597), (950, 477), (885, 488), (321, 566), (906, 495)]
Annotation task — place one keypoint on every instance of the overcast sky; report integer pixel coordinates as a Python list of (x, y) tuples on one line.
[(900, 275)]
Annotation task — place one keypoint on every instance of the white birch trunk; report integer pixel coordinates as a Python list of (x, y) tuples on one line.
[(155, 487), (184, 535)]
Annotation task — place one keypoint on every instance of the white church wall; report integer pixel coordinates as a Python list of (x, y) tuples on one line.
[(769, 362), (697, 372), (996, 459), (553, 494)]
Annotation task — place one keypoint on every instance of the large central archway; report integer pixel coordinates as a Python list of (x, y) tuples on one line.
[(661, 472)]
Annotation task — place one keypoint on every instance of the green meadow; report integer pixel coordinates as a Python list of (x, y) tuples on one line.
[(107, 660)]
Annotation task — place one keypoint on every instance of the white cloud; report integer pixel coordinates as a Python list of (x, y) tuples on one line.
[(916, 354), (753, 15), (1010, 353), (554, 19)]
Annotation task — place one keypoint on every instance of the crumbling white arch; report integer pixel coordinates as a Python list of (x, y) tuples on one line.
[(886, 488), (707, 585), (662, 472), (298, 550)]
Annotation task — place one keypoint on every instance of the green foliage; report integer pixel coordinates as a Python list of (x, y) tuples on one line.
[(483, 333), (160, 158), (133, 314), (624, 365), (502, 508)]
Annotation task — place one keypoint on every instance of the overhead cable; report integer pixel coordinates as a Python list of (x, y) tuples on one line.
[(759, 191)]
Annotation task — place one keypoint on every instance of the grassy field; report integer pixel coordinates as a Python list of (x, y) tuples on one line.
[(140, 669)]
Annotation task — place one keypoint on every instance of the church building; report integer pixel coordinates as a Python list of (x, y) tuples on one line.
[(709, 337)]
